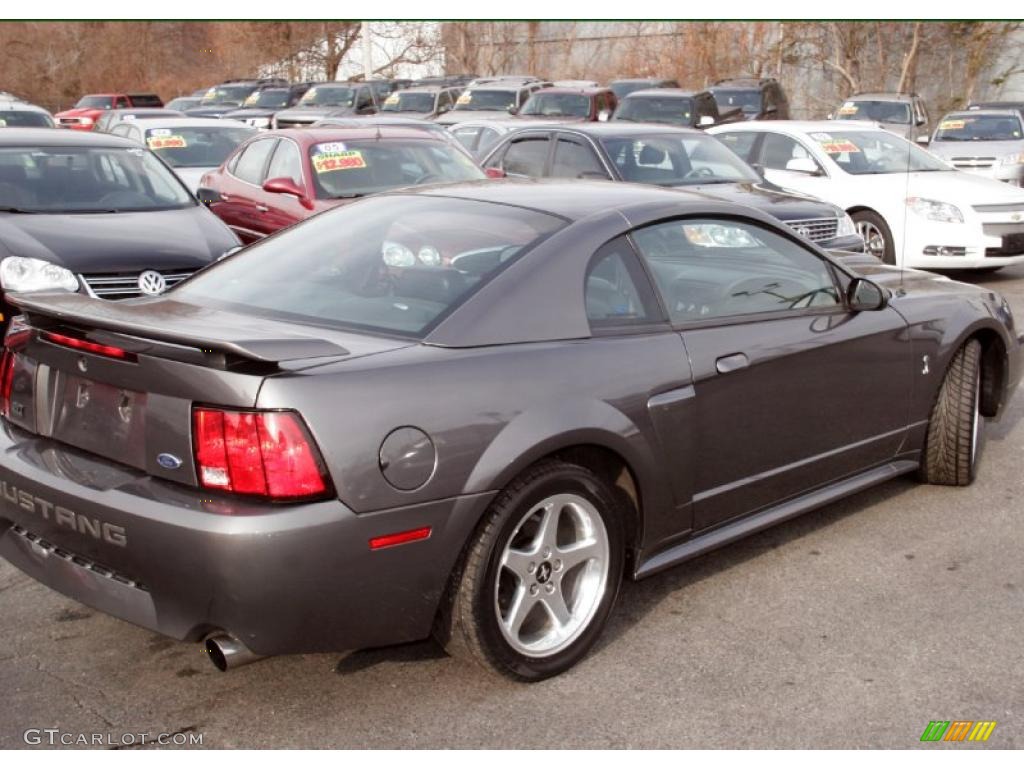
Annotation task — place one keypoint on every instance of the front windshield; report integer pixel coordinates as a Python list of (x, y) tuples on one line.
[(557, 105), (396, 265), (271, 98), (95, 102), (676, 160), (973, 127), (358, 168), (196, 147), (183, 103), (673, 110), (328, 96), (87, 180), (623, 88), (17, 119), (226, 95), (748, 101), (403, 101), (483, 100), (897, 112), (864, 153)]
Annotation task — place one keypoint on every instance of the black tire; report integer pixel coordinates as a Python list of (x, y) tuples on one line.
[(468, 622), (953, 444), (871, 219)]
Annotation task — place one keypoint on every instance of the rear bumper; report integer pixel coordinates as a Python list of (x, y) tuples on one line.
[(288, 579)]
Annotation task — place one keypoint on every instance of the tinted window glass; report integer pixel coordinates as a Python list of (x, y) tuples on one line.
[(286, 163), (611, 292), (392, 264), (195, 147), (674, 110), (249, 167), (748, 101), (557, 105), (707, 269), (526, 157), (16, 119), (576, 161), (742, 143)]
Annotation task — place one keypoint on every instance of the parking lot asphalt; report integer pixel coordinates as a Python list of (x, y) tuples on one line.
[(852, 626)]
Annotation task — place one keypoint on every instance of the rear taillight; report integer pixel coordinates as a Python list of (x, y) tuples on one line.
[(257, 453), (6, 382)]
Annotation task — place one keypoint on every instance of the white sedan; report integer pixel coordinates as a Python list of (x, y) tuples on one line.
[(192, 146), (910, 207)]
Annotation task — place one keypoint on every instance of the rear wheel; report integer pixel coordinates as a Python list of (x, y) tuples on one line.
[(540, 577), (956, 426), (877, 235)]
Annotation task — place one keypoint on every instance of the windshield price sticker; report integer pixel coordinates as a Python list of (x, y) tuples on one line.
[(464, 98), (392, 99), (952, 125), (838, 146), (338, 161), (2, 122), (166, 142), (848, 109)]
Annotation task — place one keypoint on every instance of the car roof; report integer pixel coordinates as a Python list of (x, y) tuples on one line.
[(196, 122), (984, 111), (613, 128), (21, 106), (880, 96), (571, 199), (427, 89), (799, 126), (142, 111), (307, 136), (661, 92), (51, 137), (502, 85), (589, 90)]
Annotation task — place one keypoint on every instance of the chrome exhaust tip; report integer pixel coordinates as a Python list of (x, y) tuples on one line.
[(227, 652)]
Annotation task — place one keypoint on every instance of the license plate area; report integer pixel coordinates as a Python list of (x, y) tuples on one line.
[(101, 418)]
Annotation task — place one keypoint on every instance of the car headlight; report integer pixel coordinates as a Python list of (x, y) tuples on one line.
[(430, 256), (846, 226), (1015, 159), (18, 273), (935, 210), (85, 120)]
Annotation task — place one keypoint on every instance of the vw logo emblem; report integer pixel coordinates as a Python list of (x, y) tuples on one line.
[(152, 283), (803, 231)]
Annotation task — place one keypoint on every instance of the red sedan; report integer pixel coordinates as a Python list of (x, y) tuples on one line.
[(279, 178)]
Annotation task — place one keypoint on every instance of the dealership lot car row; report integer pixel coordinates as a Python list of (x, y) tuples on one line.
[(163, 391)]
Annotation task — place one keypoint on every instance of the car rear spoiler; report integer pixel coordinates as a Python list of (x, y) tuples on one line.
[(141, 331)]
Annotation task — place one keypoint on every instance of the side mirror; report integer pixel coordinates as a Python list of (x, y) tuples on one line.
[(208, 196), (286, 186), (865, 296), (706, 120), (803, 165), (494, 173), (603, 115), (830, 116)]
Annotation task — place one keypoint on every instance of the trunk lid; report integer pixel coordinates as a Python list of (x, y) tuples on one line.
[(137, 409)]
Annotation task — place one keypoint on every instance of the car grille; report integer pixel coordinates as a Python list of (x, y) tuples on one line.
[(1013, 245), (1000, 208), (69, 120), (815, 229), (973, 162), (126, 285)]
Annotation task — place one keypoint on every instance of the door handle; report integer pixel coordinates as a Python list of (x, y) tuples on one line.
[(731, 363), (261, 208)]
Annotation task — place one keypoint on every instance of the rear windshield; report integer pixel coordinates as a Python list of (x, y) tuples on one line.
[(402, 101), (15, 119), (393, 264), (880, 111), (979, 128), (196, 147), (673, 110), (87, 180), (358, 168)]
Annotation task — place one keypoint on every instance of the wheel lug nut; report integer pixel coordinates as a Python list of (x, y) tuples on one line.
[(531, 568), (550, 588), (558, 565), (547, 552), (534, 589)]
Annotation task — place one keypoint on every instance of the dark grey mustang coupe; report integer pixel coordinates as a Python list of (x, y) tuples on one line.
[(471, 410)]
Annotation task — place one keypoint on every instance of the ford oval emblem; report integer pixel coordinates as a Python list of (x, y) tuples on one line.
[(168, 461)]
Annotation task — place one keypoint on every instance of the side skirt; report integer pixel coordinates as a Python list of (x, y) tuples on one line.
[(766, 518)]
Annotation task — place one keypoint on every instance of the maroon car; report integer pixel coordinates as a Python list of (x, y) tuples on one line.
[(279, 178), (570, 104)]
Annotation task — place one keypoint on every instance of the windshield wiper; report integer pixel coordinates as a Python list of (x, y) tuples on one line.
[(349, 196), (13, 209)]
